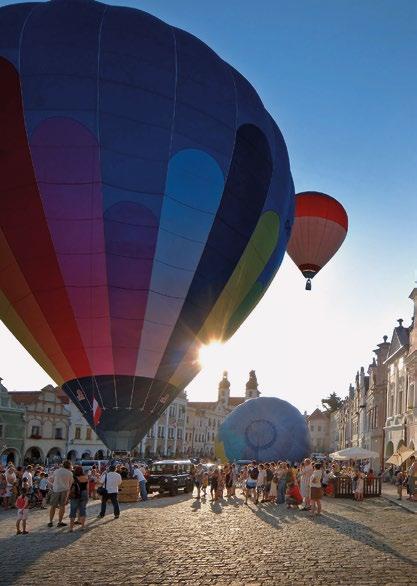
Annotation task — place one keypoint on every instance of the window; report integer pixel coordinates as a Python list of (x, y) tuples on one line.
[(172, 410), (391, 405), (400, 402), (170, 433), (401, 363), (212, 437), (161, 431), (77, 434), (88, 433), (36, 431), (49, 410), (179, 433), (1, 430), (319, 428), (311, 427), (58, 433)]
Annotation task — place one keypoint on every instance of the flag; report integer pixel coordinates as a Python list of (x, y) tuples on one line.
[(97, 411), (80, 395)]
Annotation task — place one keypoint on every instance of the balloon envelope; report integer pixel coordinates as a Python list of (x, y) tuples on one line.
[(319, 229), (263, 429), (146, 202)]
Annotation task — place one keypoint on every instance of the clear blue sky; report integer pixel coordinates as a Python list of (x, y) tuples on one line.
[(339, 78)]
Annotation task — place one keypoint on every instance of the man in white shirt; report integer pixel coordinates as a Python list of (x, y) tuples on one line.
[(138, 474), (62, 480), (110, 480)]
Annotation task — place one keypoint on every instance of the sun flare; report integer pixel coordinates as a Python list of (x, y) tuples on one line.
[(211, 356)]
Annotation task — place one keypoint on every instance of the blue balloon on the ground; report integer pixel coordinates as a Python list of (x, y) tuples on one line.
[(264, 429)]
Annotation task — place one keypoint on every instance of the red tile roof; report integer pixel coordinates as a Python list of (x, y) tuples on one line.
[(235, 401)]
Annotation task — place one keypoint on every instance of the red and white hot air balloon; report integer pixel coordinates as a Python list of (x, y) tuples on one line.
[(320, 226)]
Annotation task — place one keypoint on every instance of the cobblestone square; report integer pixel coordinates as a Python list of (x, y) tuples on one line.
[(180, 540)]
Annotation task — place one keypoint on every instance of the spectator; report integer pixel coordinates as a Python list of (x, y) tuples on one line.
[(61, 483), (78, 498), (138, 474), (111, 481), (316, 490), (22, 504)]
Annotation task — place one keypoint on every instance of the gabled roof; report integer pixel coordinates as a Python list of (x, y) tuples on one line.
[(317, 414), (30, 397), (400, 341), (24, 397)]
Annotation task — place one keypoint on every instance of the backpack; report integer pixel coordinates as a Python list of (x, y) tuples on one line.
[(254, 473), (75, 491), (20, 502)]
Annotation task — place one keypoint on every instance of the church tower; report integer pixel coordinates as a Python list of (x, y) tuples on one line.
[(224, 390), (252, 391)]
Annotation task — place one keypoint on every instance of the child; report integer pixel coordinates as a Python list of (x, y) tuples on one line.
[(22, 505), (43, 487), (293, 496), (359, 486)]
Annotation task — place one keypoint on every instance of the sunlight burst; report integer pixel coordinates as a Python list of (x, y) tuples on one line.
[(211, 356)]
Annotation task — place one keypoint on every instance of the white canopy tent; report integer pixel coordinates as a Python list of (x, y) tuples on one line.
[(354, 453), (400, 456)]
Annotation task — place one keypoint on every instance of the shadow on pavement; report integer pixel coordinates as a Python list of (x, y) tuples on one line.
[(25, 550), (277, 517)]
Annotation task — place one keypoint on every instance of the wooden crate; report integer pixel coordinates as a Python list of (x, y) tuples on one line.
[(129, 491)]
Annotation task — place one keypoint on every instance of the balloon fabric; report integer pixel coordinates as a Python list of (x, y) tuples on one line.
[(263, 429), (320, 227), (146, 201)]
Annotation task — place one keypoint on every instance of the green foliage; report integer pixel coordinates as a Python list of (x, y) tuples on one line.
[(332, 403)]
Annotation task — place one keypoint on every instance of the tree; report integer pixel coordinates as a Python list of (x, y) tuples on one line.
[(332, 403)]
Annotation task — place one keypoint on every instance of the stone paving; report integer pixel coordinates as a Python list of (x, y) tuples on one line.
[(179, 540)]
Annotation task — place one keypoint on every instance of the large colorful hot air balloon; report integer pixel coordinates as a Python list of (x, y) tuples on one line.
[(146, 202), (320, 226)]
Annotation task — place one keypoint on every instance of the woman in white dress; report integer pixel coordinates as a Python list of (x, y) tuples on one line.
[(305, 474)]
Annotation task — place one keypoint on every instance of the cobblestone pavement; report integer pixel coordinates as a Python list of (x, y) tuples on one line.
[(180, 540)]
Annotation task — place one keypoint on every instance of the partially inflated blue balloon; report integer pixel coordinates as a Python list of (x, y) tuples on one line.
[(264, 429)]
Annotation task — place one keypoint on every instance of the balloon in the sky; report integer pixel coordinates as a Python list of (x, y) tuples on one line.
[(263, 429), (146, 202), (320, 226)]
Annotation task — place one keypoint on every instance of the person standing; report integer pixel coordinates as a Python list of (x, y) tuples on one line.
[(305, 475), (78, 498), (316, 491), (138, 474), (22, 505), (110, 481), (61, 484)]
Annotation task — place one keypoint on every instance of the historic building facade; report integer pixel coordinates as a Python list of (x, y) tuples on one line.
[(12, 429), (319, 426), (401, 403), (380, 411), (167, 436), (83, 443), (46, 423)]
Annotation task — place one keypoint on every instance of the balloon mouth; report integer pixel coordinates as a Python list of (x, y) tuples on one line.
[(309, 270)]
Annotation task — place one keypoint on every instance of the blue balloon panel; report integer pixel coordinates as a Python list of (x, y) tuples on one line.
[(264, 429)]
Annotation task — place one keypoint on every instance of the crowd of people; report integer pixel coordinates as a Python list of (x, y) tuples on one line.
[(296, 485), (24, 488)]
